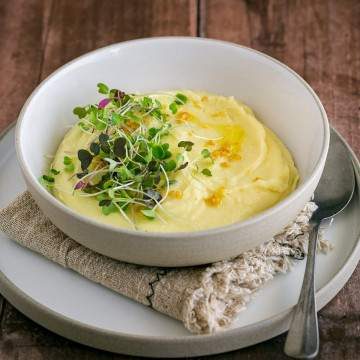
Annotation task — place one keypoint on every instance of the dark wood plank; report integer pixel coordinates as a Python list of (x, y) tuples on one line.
[(321, 41), (77, 27), (21, 338), (20, 54), (22, 25)]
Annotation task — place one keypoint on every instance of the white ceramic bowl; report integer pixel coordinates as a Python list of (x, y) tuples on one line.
[(279, 97)]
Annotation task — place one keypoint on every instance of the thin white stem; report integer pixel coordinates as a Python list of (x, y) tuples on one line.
[(167, 185), (122, 212)]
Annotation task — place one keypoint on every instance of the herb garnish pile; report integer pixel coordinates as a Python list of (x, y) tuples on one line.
[(128, 167)]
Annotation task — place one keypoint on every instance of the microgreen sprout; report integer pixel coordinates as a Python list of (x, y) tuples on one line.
[(205, 153), (47, 181), (95, 148), (48, 178), (149, 213), (183, 166), (180, 99), (102, 88), (69, 165), (206, 172), (187, 145), (85, 158), (173, 107), (128, 164), (80, 112), (54, 171)]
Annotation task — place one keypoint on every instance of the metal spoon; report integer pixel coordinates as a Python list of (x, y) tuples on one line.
[(332, 195)]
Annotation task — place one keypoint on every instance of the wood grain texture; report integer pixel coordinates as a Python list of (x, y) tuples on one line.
[(318, 39), (22, 25), (77, 27)]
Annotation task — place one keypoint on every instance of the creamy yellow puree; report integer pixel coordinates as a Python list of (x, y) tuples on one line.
[(252, 169)]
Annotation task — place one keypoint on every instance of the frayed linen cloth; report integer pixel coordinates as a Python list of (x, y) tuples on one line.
[(205, 298)]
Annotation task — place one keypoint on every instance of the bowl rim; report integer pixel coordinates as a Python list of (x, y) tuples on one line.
[(30, 177)]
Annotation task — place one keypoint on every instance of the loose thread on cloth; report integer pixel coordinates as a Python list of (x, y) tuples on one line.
[(205, 298)]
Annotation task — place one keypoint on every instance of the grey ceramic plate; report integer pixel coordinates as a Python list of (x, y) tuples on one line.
[(78, 309)]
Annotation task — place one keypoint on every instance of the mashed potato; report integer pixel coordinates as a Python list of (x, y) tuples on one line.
[(250, 169)]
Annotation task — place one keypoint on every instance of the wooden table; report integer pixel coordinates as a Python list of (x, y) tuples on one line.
[(318, 39)]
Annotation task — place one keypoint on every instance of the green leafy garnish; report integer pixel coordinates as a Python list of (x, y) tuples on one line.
[(149, 213), (95, 148), (206, 172), (183, 166), (173, 107), (102, 88), (85, 158), (127, 164), (54, 171), (80, 112), (47, 181), (84, 127), (48, 178), (120, 147), (152, 132), (108, 209), (146, 102), (69, 165), (116, 119), (187, 145), (104, 201), (205, 153), (170, 165), (131, 115), (160, 151), (104, 143), (180, 99)]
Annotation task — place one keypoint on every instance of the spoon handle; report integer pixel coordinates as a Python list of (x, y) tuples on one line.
[(302, 341)]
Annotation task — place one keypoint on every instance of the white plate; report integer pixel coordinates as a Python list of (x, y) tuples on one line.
[(78, 309)]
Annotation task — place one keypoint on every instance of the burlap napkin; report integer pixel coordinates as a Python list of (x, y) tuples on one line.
[(204, 298)]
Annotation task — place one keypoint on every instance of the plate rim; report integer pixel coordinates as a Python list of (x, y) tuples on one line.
[(174, 346)]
